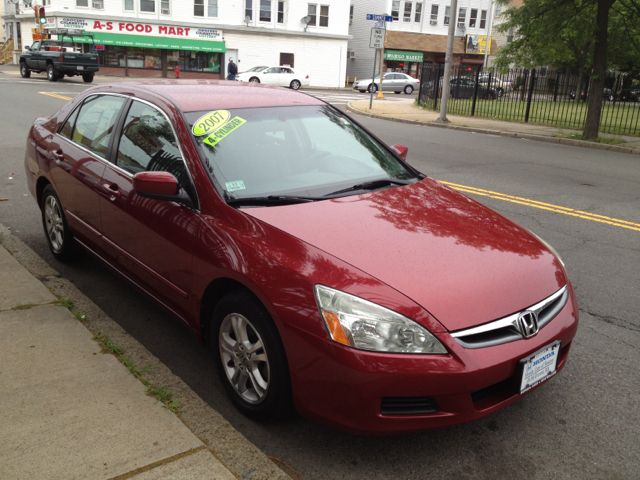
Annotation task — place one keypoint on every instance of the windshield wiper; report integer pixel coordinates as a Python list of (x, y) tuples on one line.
[(271, 200), (372, 185)]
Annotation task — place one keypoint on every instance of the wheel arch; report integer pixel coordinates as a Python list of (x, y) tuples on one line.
[(41, 184)]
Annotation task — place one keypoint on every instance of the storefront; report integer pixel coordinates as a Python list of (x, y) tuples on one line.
[(403, 61), (149, 50)]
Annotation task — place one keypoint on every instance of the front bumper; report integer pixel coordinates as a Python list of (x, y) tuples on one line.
[(345, 388)]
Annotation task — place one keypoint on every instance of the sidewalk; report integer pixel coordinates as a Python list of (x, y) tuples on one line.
[(407, 111), (72, 411)]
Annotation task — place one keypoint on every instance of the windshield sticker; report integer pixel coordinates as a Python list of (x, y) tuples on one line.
[(233, 186), (210, 122), (222, 132)]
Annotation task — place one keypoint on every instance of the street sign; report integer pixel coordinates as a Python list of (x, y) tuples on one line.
[(379, 24), (386, 18), (377, 38)]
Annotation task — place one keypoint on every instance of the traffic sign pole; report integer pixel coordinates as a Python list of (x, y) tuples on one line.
[(378, 41), (373, 78)]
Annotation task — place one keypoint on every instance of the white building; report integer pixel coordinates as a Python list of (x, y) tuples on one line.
[(417, 34), (149, 38)]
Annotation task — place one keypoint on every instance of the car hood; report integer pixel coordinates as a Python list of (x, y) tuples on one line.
[(461, 261)]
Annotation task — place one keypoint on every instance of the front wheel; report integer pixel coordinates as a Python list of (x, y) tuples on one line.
[(373, 88), (24, 70), (408, 89), (250, 357), (59, 237), (500, 92), (254, 80), (295, 85), (52, 76), (87, 77)]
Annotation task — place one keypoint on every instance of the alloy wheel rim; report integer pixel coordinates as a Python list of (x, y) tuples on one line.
[(296, 85), (244, 358), (53, 223)]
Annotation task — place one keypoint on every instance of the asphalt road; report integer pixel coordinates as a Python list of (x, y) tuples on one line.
[(584, 423)]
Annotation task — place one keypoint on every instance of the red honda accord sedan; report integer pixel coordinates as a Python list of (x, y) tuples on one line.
[(326, 273)]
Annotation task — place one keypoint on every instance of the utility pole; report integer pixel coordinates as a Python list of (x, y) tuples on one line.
[(489, 34), (453, 18)]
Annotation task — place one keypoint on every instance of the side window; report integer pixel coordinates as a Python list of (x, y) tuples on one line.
[(148, 144), (35, 46), (274, 70), (95, 122), (67, 128)]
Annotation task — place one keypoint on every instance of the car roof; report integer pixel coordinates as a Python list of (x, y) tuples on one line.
[(197, 95)]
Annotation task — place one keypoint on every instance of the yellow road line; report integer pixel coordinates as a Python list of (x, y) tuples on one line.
[(546, 206), (55, 95)]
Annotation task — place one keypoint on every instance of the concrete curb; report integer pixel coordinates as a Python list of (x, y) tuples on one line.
[(526, 136), (235, 452)]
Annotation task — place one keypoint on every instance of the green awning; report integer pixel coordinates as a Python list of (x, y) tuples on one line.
[(142, 41), (400, 56)]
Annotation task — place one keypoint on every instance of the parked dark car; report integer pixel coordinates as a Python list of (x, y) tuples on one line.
[(464, 87), (608, 95), (325, 272), (58, 59), (630, 94)]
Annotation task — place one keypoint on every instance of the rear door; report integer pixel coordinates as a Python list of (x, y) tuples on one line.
[(286, 76), (151, 240)]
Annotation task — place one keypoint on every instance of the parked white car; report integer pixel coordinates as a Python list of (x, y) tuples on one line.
[(279, 76)]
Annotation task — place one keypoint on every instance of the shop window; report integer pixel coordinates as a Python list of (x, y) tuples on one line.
[(408, 6), (286, 59), (447, 15), (473, 18), (148, 6), (98, 4), (265, 10), (418, 15), (434, 15), (206, 62), (165, 7), (395, 10), (248, 9), (112, 57), (148, 58), (128, 5), (280, 12), (483, 19), (82, 3), (462, 17)]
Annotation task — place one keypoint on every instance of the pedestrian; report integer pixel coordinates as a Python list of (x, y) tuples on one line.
[(232, 70)]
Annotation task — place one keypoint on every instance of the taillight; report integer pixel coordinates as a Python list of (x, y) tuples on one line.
[(307, 77), (418, 81), (61, 58)]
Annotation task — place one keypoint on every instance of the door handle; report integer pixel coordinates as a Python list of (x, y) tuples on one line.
[(111, 190), (57, 156)]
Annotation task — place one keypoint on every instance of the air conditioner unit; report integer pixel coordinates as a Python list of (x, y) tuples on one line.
[(351, 55), (433, 22), (98, 5)]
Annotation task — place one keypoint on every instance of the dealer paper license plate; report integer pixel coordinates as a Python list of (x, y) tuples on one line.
[(539, 367), (80, 68)]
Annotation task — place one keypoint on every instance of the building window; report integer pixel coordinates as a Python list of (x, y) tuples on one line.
[(462, 17), (408, 6), (265, 10), (324, 15), (128, 5), (312, 13), (498, 8), (447, 15), (473, 18), (165, 8), (147, 6), (510, 35), (350, 14), (280, 12), (82, 3), (483, 19), (98, 4), (434, 15), (248, 9), (286, 60), (418, 16), (213, 8), (395, 10)]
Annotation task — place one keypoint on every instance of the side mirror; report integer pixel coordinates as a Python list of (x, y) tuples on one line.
[(161, 186), (26, 49), (402, 151)]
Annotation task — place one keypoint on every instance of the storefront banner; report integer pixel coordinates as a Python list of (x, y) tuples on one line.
[(476, 44), (400, 56), (116, 39), (134, 28)]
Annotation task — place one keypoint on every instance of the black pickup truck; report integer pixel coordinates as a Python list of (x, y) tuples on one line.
[(58, 58)]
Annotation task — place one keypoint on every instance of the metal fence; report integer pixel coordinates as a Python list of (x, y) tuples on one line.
[(538, 96)]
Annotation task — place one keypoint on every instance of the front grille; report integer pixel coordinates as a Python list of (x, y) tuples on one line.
[(506, 329), (408, 405)]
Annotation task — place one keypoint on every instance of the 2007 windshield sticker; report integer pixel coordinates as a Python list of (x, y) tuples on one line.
[(225, 130), (210, 122)]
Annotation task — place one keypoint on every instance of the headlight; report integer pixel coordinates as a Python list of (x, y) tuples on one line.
[(553, 250), (361, 324)]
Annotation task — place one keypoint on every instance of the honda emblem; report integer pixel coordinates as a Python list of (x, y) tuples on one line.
[(528, 323)]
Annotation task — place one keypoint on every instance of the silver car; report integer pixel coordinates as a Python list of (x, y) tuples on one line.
[(391, 82)]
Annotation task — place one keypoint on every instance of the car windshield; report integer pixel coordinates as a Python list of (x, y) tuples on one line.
[(256, 69), (306, 152)]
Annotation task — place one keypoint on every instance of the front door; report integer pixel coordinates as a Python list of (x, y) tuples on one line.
[(271, 76), (34, 55), (151, 240)]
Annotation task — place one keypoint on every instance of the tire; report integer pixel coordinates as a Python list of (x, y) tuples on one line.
[(59, 237), (254, 80), (500, 92), (87, 77), (24, 70), (408, 90), (295, 85), (265, 394), (373, 88), (52, 76)]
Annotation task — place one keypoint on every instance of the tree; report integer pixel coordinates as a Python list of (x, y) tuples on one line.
[(574, 34)]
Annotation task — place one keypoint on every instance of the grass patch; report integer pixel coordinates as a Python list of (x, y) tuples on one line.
[(67, 302), (604, 140), (24, 306), (159, 393)]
